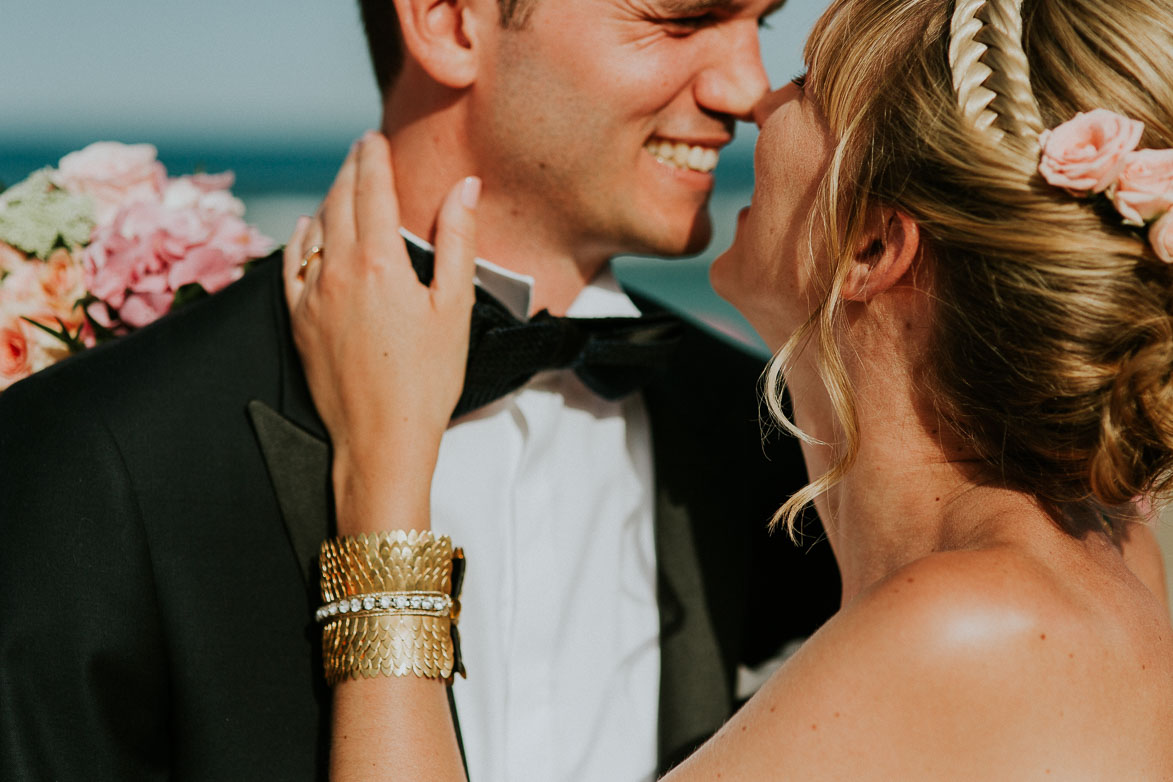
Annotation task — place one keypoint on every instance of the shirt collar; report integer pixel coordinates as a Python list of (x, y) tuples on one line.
[(601, 298)]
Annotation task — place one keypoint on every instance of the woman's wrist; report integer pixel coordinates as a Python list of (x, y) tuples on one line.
[(374, 492)]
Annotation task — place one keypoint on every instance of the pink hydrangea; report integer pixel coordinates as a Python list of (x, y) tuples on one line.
[(135, 264), (113, 175), (1144, 188), (1087, 153)]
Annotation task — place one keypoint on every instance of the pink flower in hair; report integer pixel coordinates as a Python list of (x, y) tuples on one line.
[(1161, 237), (1145, 187), (1088, 152)]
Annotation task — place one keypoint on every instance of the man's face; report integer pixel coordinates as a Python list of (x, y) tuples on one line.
[(602, 119)]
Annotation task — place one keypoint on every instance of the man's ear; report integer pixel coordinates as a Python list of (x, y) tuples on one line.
[(440, 36), (884, 255)]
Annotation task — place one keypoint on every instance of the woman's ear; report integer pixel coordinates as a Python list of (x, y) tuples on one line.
[(440, 36), (884, 255)]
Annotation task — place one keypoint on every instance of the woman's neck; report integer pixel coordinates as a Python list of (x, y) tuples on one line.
[(912, 489)]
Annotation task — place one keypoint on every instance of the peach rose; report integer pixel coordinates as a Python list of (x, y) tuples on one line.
[(113, 175), (62, 280), (10, 258), (1088, 151), (1145, 187), (15, 353), (1161, 237)]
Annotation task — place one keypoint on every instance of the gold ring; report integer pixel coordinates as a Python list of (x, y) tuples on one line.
[(315, 251)]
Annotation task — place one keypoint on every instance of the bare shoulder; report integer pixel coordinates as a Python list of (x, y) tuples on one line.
[(984, 664)]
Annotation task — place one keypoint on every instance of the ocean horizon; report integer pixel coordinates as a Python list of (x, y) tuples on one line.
[(280, 180)]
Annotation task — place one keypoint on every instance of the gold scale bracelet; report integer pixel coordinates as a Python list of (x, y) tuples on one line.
[(380, 640)]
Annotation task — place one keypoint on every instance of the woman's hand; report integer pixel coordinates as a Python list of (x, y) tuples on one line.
[(384, 355)]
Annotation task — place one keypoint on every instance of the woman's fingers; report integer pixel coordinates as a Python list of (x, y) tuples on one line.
[(456, 245), (375, 204), (337, 212), (291, 263)]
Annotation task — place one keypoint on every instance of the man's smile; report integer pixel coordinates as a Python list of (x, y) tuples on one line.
[(681, 154)]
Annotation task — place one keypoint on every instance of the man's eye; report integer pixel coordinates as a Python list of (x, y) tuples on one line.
[(690, 23)]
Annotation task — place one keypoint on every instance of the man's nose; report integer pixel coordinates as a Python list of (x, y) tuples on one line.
[(736, 79)]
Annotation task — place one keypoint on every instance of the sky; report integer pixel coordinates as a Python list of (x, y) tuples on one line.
[(229, 70)]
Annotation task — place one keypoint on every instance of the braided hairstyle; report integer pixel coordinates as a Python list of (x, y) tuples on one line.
[(1052, 346)]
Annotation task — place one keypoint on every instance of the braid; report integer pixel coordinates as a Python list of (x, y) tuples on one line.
[(991, 76)]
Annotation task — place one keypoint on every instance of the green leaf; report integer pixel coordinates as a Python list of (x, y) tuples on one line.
[(71, 341), (186, 294), (36, 216)]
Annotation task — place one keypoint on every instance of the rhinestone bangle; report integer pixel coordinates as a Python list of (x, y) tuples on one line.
[(417, 603)]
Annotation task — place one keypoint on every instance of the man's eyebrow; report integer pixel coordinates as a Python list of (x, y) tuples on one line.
[(698, 7), (695, 7)]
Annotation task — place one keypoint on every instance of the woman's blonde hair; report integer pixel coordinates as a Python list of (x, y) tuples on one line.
[(1052, 341)]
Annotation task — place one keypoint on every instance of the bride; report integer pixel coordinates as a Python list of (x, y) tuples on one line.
[(965, 266)]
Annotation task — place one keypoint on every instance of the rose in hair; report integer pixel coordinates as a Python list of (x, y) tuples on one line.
[(1088, 152), (1144, 189), (1161, 237), (113, 175)]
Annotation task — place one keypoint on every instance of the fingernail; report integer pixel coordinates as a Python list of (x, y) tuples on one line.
[(470, 192), (302, 222)]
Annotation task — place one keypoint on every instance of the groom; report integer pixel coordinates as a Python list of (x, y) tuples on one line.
[(163, 497)]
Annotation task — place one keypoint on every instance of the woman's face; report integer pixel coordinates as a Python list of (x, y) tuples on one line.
[(767, 270)]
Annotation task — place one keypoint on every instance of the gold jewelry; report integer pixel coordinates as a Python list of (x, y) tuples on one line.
[(315, 251), (391, 605)]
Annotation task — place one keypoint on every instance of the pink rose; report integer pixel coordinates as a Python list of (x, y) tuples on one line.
[(1088, 152), (113, 175), (15, 354), (1161, 237), (1145, 187)]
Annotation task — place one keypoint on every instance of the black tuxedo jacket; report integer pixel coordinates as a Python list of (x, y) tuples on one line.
[(161, 502)]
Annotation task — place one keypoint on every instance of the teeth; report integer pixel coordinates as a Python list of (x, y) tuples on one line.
[(681, 155)]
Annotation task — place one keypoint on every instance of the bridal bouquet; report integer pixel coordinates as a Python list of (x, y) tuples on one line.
[(106, 243)]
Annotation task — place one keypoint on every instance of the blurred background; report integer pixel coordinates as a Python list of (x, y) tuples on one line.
[(276, 92)]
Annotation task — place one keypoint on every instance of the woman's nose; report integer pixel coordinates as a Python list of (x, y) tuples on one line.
[(769, 102)]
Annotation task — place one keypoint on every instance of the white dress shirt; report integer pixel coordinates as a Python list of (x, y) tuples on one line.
[(550, 492)]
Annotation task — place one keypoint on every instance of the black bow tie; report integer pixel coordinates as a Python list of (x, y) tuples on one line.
[(612, 356)]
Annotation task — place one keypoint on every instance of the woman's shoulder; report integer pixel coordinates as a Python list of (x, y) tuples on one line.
[(969, 664)]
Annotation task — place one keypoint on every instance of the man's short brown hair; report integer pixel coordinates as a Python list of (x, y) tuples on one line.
[(386, 43)]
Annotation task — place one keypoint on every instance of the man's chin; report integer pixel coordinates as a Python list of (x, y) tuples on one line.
[(677, 241)]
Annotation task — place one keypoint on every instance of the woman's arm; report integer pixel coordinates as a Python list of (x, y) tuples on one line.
[(384, 357)]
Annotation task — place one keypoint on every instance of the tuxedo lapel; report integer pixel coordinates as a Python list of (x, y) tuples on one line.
[(294, 444), (299, 467), (695, 696)]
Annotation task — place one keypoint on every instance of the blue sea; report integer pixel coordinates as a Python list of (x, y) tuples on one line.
[(278, 182)]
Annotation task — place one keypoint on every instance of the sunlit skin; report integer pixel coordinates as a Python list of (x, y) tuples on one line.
[(765, 271), (555, 118), (977, 639)]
